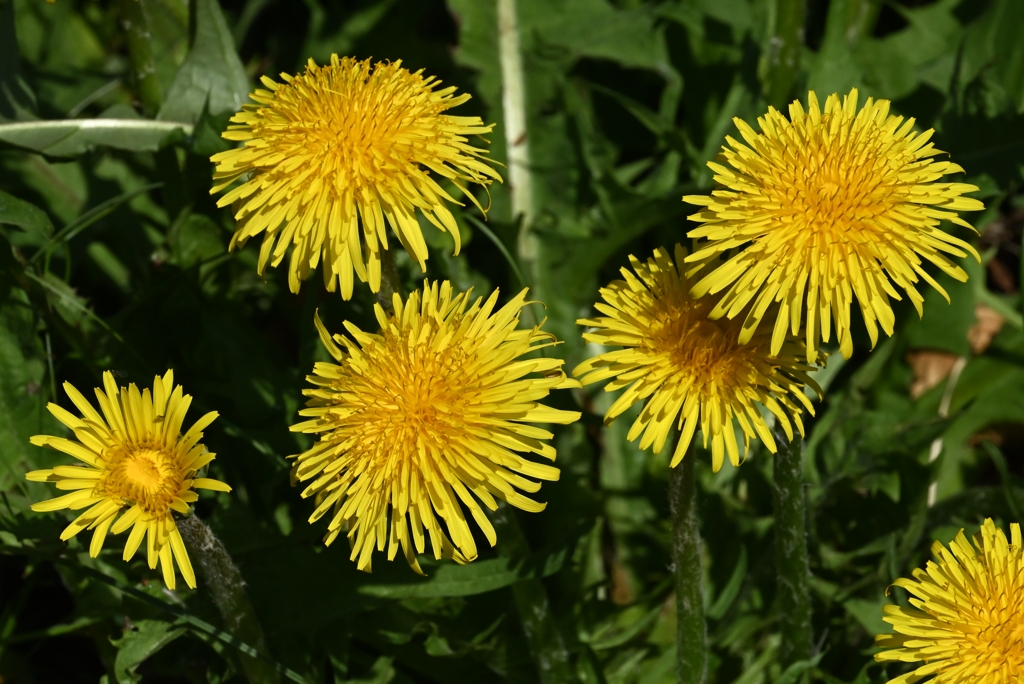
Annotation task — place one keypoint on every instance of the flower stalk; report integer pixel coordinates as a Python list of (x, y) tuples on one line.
[(791, 560), (227, 589), (542, 633), (780, 67), (140, 47), (691, 629)]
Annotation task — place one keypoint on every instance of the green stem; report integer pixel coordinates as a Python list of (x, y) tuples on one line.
[(542, 633), (691, 627), (780, 65), (791, 561), (861, 16), (222, 579), (140, 47)]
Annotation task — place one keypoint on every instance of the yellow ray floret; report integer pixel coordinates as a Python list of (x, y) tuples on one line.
[(967, 620), (425, 421), (333, 156), (137, 464), (826, 208), (690, 370)]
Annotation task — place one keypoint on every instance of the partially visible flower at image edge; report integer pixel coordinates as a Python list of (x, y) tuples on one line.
[(967, 620), (333, 156), (426, 420), (825, 208), (136, 464), (690, 370)]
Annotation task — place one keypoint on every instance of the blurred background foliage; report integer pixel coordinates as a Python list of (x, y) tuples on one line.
[(116, 257)]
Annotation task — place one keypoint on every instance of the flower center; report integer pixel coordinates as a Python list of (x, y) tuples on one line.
[(999, 641), (415, 398), (705, 351), (361, 126), (143, 475), (832, 188)]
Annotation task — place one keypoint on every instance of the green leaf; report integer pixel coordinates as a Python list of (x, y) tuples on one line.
[(868, 614), (598, 29), (194, 238), (71, 137), (944, 325), (23, 393), (198, 625), (924, 52), (382, 672), (28, 217), (833, 68), (795, 672), (139, 643), (466, 580), (625, 628), (994, 55), (212, 77)]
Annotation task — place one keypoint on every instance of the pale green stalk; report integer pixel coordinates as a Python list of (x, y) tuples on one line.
[(221, 578)]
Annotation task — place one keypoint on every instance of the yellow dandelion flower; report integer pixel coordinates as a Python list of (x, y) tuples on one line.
[(967, 620), (835, 205), (425, 421), (690, 369), (345, 145), (136, 459)]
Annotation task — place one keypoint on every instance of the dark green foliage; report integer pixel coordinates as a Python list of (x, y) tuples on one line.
[(114, 256)]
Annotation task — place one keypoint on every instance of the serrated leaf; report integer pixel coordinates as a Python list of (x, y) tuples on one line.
[(598, 29), (466, 580), (28, 217), (145, 639), (212, 77), (993, 53), (23, 395), (924, 52)]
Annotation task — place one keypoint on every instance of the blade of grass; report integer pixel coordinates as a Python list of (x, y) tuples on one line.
[(88, 218), (1004, 474), (501, 248)]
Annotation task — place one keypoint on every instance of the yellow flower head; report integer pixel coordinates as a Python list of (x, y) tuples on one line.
[(136, 458), (690, 369), (835, 205), (427, 419), (344, 145), (967, 620)]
